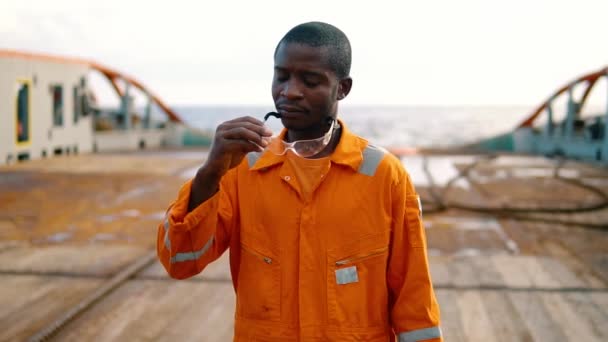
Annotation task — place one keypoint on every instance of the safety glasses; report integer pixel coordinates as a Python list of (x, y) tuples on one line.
[(302, 148)]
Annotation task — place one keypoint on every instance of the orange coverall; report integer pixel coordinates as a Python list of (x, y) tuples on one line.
[(348, 264)]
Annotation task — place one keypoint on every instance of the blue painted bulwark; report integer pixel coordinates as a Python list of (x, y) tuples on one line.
[(503, 142)]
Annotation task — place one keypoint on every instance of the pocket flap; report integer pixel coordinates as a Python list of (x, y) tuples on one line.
[(253, 244), (360, 245)]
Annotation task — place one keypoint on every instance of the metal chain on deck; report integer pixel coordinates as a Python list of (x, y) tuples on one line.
[(440, 204)]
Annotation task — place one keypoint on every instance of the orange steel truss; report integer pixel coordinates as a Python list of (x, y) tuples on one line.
[(591, 80)]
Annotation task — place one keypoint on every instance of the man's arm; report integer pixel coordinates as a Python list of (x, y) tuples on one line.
[(188, 240), (413, 308), (198, 225)]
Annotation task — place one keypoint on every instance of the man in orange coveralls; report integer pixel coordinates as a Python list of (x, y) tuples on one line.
[(324, 230)]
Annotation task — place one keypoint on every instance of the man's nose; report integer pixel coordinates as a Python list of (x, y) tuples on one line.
[(291, 89)]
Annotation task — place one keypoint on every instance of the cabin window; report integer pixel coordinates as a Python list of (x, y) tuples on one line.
[(57, 93), (77, 106), (85, 107), (22, 111)]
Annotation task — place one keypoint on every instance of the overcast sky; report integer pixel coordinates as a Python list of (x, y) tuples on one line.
[(453, 52)]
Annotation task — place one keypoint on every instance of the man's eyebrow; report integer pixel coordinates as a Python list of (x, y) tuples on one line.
[(308, 73), (313, 74)]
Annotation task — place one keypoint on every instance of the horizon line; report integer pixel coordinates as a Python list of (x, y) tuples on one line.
[(358, 105)]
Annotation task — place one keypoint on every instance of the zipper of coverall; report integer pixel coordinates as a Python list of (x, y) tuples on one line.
[(356, 258), (262, 257)]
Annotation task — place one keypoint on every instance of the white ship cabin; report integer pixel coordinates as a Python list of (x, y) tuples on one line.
[(48, 109)]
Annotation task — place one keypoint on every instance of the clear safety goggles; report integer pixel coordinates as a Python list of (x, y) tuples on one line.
[(302, 148)]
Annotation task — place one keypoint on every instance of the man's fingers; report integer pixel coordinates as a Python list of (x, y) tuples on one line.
[(244, 146), (242, 133), (249, 122), (247, 119), (261, 130), (240, 136)]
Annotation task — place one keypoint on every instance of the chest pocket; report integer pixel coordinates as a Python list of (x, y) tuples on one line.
[(258, 295), (357, 293)]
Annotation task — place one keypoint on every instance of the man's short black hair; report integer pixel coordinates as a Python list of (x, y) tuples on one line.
[(318, 34)]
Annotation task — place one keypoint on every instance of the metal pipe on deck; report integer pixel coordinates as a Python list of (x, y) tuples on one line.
[(147, 111), (125, 107), (569, 125)]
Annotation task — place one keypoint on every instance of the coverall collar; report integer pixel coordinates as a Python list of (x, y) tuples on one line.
[(348, 152)]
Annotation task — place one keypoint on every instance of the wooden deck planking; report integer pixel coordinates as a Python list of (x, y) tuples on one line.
[(179, 311), (468, 315), (439, 271), (562, 274), (475, 321), (486, 272), (462, 273), (111, 317), (158, 310), (217, 314), (507, 324), (511, 270), (16, 292), (539, 276), (575, 327), (167, 304), (590, 309), (451, 317), (536, 317), (35, 300), (96, 260), (602, 302), (504, 314), (155, 308), (577, 273)]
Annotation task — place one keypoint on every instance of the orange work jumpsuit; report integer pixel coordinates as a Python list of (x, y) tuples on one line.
[(347, 264)]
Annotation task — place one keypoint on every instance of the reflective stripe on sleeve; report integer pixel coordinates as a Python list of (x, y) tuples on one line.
[(180, 257), (167, 240), (372, 156), (420, 334)]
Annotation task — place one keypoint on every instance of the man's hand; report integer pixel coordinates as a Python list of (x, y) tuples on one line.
[(233, 140)]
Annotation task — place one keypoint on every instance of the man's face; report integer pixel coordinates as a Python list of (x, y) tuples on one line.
[(304, 88)]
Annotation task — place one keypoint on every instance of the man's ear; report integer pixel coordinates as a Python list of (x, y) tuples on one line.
[(344, 87)]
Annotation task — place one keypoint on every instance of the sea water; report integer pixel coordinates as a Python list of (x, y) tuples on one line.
[(388, 126)]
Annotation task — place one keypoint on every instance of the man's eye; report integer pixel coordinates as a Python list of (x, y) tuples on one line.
[(281, 76), (311, 82)]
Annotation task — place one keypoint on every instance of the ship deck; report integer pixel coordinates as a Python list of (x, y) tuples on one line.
[(518, 248)]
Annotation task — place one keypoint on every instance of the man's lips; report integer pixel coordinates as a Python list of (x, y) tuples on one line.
[(290, 110)]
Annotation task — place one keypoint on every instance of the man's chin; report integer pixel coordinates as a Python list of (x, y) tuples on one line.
[(296, 124)]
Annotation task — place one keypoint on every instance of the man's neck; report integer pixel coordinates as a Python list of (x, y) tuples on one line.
[(333, 143)]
